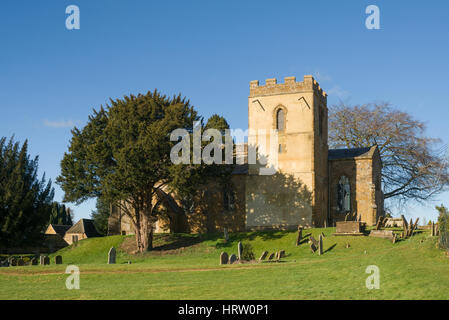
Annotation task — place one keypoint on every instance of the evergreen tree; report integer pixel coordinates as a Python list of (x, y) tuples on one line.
[(60, 214), (123, 156), (100, 216), (25, 201)]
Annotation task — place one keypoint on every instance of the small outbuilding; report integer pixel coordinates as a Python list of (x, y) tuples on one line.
[(83, 229)]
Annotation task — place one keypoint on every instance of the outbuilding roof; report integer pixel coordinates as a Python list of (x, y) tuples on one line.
[(85, 226)]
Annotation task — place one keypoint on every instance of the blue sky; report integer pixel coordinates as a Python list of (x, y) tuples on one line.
[(51, 77)]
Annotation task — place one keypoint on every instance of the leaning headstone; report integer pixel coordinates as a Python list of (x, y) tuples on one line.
[(313, 240), (271, 256), (232, 259), (46, 260), (224, 258), (34, 262), (20, 262), (313, 247), (394, 239), (111, 256), (277, 255), (13, 262), (320, 245), (281, 254), (299, 237), (58, 260), (41, 260), (263, 256), (240, 250)]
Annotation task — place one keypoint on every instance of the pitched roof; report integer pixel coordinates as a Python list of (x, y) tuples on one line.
[(338, 154), (60, 229), (85, 226)]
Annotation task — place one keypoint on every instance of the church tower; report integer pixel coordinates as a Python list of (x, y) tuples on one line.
[(294, 117)]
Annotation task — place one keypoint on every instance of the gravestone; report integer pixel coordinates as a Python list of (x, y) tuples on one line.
[(313, 240), (58, 260), (281, 254), (13, 262), (41, 260), (46, 260), (34, 262), (386, 234), (299, 237), (320, 245), (225, 234), (313, 247), (271, 256), (394, 239), (277, 255), (111, 256), (20, 262), (224, 258), (263, 256), (232, 259), (240, 250)]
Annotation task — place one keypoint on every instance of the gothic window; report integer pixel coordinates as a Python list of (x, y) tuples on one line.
[(280, 119), (344, 195)]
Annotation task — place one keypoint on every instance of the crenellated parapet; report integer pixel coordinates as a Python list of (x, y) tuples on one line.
[(290, 85)]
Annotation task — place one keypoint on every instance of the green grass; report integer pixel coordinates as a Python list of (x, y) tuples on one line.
[(409, 269)]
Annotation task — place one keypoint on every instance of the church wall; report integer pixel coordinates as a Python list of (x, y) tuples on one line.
[(279, 201)]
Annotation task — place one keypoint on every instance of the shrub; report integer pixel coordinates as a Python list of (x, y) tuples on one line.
[(248, 253)]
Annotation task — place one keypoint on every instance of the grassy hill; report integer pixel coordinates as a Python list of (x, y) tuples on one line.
[(187, 267)]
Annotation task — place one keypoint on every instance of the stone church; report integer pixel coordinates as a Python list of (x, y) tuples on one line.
[(312, 186)]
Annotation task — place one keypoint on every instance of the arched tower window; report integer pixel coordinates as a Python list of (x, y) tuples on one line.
[(344, 195), (280, 119)]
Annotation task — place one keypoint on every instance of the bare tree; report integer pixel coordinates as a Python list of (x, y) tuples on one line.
[(413, 165)]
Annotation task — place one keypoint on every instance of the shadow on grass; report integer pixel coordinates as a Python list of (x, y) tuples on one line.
[(330, 248)]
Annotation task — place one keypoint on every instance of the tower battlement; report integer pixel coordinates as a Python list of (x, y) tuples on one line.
[(290, 85)]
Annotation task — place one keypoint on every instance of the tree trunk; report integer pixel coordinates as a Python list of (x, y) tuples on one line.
[(144, 235)]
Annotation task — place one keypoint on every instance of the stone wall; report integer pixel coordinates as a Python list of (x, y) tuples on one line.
[(364, 174)]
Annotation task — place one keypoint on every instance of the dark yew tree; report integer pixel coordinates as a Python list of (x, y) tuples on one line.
[(60, 214), (122, 156), (101, 216), (25, 201)]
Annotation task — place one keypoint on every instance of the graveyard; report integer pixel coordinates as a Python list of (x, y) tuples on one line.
[(188, 266)]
